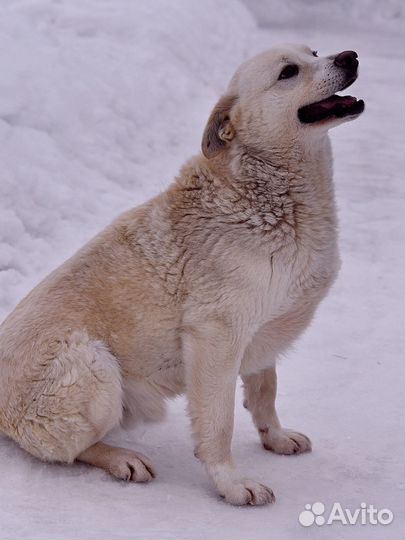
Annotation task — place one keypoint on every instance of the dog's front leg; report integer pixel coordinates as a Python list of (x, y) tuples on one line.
[(212, 359), (260, 398)]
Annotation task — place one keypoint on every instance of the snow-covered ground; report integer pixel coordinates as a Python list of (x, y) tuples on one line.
[(100, 102)]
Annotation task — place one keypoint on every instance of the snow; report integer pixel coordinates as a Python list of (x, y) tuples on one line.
[(326, 13), (100, 103)]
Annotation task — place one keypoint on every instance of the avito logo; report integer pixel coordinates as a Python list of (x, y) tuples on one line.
[(365, 514)]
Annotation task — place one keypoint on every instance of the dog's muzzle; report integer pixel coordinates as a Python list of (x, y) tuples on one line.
[(336, 106)]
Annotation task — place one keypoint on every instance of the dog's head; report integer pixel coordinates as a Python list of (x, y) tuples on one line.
[(282, 96)]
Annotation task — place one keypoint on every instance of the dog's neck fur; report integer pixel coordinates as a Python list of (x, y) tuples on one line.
[(261, 178), (281, 169), (269, 196)]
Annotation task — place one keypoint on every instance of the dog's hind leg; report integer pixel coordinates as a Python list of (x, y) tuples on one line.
[(119, 462), (69, 398)]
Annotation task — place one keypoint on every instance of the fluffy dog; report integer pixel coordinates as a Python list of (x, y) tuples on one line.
[(212, 279)]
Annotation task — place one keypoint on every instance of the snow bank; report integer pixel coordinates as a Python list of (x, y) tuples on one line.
[(324, 13), (100, 102)]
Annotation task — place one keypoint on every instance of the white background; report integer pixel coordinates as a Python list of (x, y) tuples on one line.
[(100, 103)]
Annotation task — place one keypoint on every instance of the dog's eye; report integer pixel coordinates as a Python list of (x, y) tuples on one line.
[(314, 53), (289, 71)]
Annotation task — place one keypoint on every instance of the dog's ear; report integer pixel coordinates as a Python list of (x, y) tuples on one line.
[(219, 129)]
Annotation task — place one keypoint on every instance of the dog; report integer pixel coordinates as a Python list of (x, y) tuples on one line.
[(210, 280)]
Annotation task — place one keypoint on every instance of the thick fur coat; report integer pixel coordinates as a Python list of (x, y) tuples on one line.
[(212, 279)]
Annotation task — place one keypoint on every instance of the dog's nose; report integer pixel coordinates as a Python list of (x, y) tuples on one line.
[(347, 60)]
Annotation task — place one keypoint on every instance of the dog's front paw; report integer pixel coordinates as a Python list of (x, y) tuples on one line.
[(238, 490), (248, 492), (285, 441)]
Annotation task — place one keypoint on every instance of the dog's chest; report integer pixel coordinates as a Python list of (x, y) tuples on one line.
[(283, 300), (301, 271)]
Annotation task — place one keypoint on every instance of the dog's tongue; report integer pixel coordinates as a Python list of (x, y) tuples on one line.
[(334, 100), (337, 106)]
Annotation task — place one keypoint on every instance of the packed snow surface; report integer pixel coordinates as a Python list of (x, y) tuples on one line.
[(100, 103)]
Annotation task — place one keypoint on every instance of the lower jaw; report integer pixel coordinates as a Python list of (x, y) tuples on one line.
[(316, 113)]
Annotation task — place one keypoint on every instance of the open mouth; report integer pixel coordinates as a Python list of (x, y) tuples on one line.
[(332, 107)]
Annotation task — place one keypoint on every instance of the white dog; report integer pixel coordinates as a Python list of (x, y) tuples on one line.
[(211, 279)]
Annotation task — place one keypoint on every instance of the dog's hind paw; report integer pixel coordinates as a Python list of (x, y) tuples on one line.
[(131, 466), (120, 462)]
